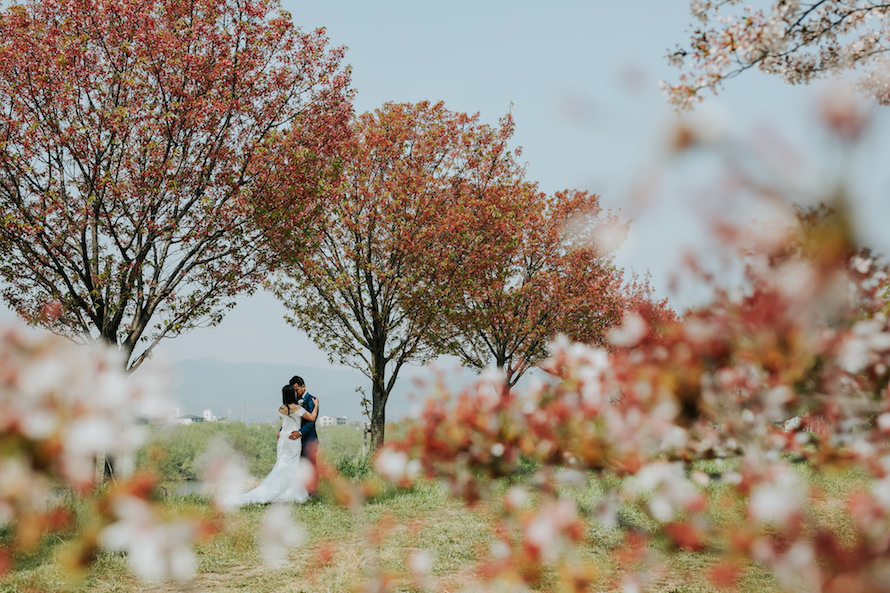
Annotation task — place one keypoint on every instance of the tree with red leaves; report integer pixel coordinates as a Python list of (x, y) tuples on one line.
[(424, 202), (559, 279), (136, 139)]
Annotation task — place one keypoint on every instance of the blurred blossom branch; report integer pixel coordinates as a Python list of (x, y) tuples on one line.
[(63, 406), (797, 41)]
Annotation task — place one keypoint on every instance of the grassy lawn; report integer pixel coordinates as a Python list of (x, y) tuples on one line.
[(344, 548), (341, 548)]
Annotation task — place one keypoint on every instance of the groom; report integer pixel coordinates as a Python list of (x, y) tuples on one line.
[(307, 431)]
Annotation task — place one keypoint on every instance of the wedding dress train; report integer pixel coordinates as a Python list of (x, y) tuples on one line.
[(286, 482)]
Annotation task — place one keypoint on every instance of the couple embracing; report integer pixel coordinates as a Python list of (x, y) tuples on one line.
[(294, 477)]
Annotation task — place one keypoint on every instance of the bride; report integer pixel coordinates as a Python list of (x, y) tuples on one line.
[(286, 481)]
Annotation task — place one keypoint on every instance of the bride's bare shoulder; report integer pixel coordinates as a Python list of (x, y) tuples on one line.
[(288, 409)]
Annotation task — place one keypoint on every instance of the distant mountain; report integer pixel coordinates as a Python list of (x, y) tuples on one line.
[(252, 391)]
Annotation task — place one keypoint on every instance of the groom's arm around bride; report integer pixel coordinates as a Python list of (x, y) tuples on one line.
[(307, 432)]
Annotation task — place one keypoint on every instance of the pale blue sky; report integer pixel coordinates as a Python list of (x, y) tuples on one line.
[(581, 80)]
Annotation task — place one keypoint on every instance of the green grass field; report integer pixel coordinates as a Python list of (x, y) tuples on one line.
[(345, 548)]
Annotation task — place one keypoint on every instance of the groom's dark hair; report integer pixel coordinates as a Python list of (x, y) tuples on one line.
[(297, 380)]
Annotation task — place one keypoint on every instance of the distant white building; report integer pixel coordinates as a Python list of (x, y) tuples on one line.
[(177, 418), (188, 419), (323, 421)]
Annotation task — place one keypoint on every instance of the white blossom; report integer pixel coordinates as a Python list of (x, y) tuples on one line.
[(224, 474), (778, 500), (77, 395), (517, 497), (880, 489), (279, 534), (546, 529), (667, 486), (420, 562), (396, 466), (156, 550), (632, 330), (867, 339)]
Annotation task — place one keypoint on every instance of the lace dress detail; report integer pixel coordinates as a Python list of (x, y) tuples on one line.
[(285, 483)]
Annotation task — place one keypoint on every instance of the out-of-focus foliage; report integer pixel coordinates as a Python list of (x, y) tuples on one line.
[(64, 407), (788, 366)]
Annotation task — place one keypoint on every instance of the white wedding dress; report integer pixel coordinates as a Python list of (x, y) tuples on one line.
[(286, 482)]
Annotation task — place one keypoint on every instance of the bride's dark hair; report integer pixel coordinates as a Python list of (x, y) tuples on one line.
[(287, 395)]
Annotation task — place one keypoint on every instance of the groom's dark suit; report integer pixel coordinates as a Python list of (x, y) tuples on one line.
[(310, 440)]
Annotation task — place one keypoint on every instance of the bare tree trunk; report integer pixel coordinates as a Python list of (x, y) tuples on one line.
[(378, 425), (379, 396)]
